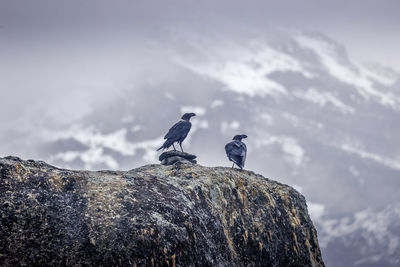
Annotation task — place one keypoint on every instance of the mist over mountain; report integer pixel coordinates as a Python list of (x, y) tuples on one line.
[(315, 119)]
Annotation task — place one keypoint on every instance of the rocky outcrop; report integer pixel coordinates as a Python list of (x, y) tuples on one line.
[(172, 157), (178, 215)]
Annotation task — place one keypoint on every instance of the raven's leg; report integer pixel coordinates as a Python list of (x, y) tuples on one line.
[(173, 146), (233, 165), (180, 144)]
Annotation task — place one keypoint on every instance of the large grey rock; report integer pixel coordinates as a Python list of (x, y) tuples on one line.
[(179, 215)]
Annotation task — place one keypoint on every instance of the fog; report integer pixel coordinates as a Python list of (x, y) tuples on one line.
[(96, 85)]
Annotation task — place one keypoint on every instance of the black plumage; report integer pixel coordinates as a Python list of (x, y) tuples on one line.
[(178, 132), (237, 150)]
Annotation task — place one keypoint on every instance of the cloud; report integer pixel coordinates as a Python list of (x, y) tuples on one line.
[(357, 76), (200, 111), (323, 98), (246, 69), (216, 103), (316, 210), (392, 163), (295, 154), (91, 158), (97, 142), (228, 127)]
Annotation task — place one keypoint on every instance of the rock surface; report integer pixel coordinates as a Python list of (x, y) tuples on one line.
[(172, 157), (178, 215)]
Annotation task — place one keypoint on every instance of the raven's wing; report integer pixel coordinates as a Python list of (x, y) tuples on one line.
[(179, 130), (244, 153), (236, 148), (236, 152), (228, 148)]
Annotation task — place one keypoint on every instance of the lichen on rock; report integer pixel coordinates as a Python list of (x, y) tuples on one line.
[(178, 215)]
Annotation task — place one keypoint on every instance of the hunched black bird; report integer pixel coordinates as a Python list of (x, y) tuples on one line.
[(178, 132), (237, 150)]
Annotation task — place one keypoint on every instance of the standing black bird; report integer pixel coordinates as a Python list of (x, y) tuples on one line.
[(178, 132), (237, 150)]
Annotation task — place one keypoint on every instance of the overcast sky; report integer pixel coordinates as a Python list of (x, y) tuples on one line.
[(87, 47), (369, 29)]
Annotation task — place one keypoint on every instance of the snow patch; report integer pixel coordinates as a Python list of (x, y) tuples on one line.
[(323, 98), (245, 70), (380, 74), (91, 157), (355, 76), (96, 141), (388, 162), (377, 229)]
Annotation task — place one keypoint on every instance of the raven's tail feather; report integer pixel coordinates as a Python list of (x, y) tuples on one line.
[(238, 161), (166, 144)]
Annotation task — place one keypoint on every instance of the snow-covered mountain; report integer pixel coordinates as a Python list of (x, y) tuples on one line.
[(315, 119), (367, 238)]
